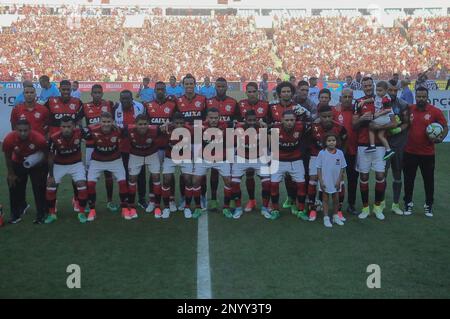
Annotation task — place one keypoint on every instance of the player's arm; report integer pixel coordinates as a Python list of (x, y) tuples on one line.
[(13, 118)]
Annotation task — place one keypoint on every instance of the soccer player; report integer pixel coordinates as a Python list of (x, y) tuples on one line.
[(344, 117), (20, 99), (193, 107), (145, 142), (174, 147), (92, 112), (261, 109), (420, 150), (125, 113), (65, 159), (36, 114), (369, 161), (250, 141), (228, 112), (289, 162), (301, 97), (48, 90), (323, 125), (146, 93), (18, 145), (217, 160), (397, 138), (107, 157), (159, 112)]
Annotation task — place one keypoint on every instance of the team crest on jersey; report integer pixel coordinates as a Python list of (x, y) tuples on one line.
[(198, 104), (296, 134), (341, 118), (72, 106), (338, 161), (32, 146), (149, 141), (260, 110), (427, 117), (37, 115), (228, 108), (16, 149), (167, 110), (76, 141), (113, 139), (104, 109)]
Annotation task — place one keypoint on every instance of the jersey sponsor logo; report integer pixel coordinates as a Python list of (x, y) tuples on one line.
[(192, 114), (288, 144), (225, 118), (94, 120), (158, 120), (68, 151), (61, 115), (106, 148)]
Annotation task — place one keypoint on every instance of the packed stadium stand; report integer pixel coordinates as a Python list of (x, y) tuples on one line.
[(127, 43)]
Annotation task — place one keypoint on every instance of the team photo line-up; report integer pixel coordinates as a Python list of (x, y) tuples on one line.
[(316, 145)]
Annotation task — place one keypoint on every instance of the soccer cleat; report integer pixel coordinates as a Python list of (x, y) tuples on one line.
[(303, 215), (76, 205), (213, 204), (327, 222), (143, 204), (150, 207), (126, 214), (318, 205), (133, 213), (197, 213), (312, 215), (341, 216), (15, 220), (275, 214), (251, 205), (396, 209), (92, 215), (294, 210), (172, 206), (238, 213), (187, 212), (383, 204), (165, 213), (50, 218), (364, 213), (203, 202), (337, 220), (388, 155), (113, 208), (227, 213), (82, 218), (265, 212), (428, 210), (378, 211), (25, 210), (38, 221), (288, 203), (409, 209), (351, 210), (158, 212), (182, 204), (370, 149)]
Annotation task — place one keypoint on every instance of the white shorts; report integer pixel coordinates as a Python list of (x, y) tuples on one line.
[(161, 155), (76, 171), (384, 119), (115, 167), (238, 169), (294, 169), (89, 151), (169, 167), (313, 166), (370, 161), (136, 162), (224, 168)]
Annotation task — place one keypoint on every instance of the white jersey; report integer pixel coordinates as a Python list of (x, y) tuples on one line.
[(118, 113), (331, 165)]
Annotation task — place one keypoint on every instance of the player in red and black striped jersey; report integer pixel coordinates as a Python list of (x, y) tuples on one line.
[(65, 159), (106, 157), (229, 113), (162, 108), (92, 112), (261, 109)]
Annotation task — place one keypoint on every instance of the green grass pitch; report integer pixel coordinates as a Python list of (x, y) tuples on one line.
[(249, 258)]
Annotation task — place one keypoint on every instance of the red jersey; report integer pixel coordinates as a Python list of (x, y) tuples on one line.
[(66, 150), (363, 130), (214, 142), (38, 117), (174, 141), (276, 111), (106, 146), (261, 108), (17, 149), (143, 145), (59, 109), (160, 113), (289, 142), (418, 141), (318, 133), (192, 109), (228, 108), (93, 112), (247, 142), (345, 117)]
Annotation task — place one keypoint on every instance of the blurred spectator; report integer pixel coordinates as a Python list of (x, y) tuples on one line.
[(406, 93), (48, 90), (146, 93), (207, 89), (75, 92)]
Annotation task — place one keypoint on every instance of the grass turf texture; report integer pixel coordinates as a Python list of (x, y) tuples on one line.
[(250, 257)]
